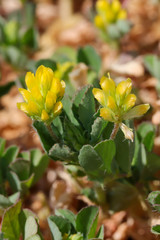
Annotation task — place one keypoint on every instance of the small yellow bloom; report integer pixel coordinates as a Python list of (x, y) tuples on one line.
[(118, 103), (43, 95), (108, 12)]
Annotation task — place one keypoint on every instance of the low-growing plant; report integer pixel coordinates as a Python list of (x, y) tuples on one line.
[(64, 225), (87, 136), (154, 200), (152, 63), (18, 172), (111, 20), (18, 37)]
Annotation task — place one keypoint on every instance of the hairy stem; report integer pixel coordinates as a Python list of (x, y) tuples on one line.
[(51, 132), (115, 130)]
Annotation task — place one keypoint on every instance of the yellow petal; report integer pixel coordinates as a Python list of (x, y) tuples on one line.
[(108, 85), (123, 89), (33, 109), (62, 90), (99, 95), (50, 100), (46, 82), (57, 108), (106, 114), (101, 5), (98, 21), (116, 6), (137, 111), (129, 102), (36, 94), (55, 86), (111, 103), (44, 115), (122, 14), (26, 94), (110, 16), (23, 107), (128, 132), (30, 80), (44, 70)]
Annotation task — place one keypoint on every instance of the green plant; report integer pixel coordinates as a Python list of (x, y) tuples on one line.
[(152, 63), (88, 145), (18, 37), (18, 172), (64, 225), (154, 200), (111, 20)]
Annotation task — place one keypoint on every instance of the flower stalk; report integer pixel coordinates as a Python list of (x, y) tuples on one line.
[(51, 132), (114, 131)]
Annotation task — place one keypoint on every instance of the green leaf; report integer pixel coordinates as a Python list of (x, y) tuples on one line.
[(29, 38), (67, 214), (9, 156), (156, 229), (24, 214), (113, 31), (2, 146), (154, 199), (14, 181), (65, 54), (152, 63), (57, 127), (4, 202), (63, 224), (45, 136), (34, 237), (86, 221), (67, 108), (73, 135), (47, 63), (10, 223), (25, 155), (31, 227), (62, 152), (87, 109), (106, 151), (89, 159), (14, 56), (56, 234), (21, 168), (124, 26), (39, 163), (147, 133), (123, 158), (14, 197), (90, 57), (77, 100), (100, 233), (11, 32), (97, 128), (6, 88)]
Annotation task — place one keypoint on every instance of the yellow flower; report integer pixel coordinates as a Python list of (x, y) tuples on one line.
[(43, 95), (108, 12), (118, 103)]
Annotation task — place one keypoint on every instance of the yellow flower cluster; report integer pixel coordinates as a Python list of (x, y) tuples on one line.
[(43, 95), (118, 103), (108, 12)]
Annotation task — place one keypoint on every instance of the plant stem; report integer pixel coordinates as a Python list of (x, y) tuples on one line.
[(115, 131), (51, 132)]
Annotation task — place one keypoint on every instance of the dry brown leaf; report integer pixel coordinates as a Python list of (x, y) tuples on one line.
[(133, 67), (78, 76)]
